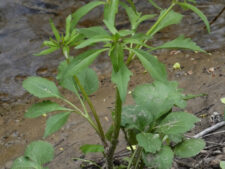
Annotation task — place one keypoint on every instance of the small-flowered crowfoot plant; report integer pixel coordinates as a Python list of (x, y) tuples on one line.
[(150, 124)]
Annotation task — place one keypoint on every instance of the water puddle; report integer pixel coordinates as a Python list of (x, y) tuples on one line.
[(24, 24)]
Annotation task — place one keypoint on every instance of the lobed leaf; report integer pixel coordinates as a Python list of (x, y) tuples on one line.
[(39, 109), (40, 87), (161, 160), (189, 148), (55, 122), (91, 148), (158, 97), (68, 82), (40, 152), (89, 80), (177, 123), (135, 116), (150, 142), (24, 163)]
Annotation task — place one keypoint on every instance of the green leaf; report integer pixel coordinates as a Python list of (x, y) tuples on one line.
[(132, 15), (135, 116), (117, 56), (89, 80), (110, 27), (121, 79), (142, 19), (197, 11), (40, 152), (78, 64), (47, 51), (150, 142), (94, 39), (68, 82), (223, 100), (166, 20), (41, 87), (161, 160), (125, 32), (91, 148), (76, 16), (49, 43), (222, 164), (175, 138), (55, 31), (158, 98), (39, 109), (110, 11), (180, 43), (133, 40), (155, 5), (177, 123), (93, 31), (55, 122), (25, 163), (189, 148), (68, 27), (66, 51), (152, 65)]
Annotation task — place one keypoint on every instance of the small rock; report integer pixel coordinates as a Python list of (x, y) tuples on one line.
[(223, 149), (211, 69), (217, 152), (190, 72)]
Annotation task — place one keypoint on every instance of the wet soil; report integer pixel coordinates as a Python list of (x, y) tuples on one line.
[(23, 26)]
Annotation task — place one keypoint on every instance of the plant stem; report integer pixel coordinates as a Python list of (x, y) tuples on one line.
[(127, 140), (102, 135), (131, 160), (116, 131), (135, 158)]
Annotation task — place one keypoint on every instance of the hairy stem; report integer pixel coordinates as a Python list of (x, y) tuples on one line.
[(116, 131), (102, 135)]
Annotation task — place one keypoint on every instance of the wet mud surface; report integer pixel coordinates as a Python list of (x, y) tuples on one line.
[(24, 25)]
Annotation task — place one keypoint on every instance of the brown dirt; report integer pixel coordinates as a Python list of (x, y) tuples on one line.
[(200, 73)]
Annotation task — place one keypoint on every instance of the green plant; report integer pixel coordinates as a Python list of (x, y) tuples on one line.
[(36, 155), (149, 123)]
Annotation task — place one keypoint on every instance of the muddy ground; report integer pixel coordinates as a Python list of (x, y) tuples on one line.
[(24, 25), (200, 73)]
